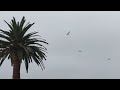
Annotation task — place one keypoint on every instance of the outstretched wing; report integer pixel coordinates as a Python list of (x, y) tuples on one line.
[(79, 51), (68, 33)]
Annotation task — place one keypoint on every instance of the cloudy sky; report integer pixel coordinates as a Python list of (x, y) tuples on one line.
[(95, 33)]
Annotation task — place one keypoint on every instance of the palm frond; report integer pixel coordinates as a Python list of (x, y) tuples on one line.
[(29, 35), (27, 46), (26, 28), (10, 26), (22, 23), (5, 37)]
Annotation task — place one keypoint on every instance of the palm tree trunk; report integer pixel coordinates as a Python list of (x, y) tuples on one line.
[(16, 67)]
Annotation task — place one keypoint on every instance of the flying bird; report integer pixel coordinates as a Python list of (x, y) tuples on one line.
[(109, 59), (79, 51), (68, 33)]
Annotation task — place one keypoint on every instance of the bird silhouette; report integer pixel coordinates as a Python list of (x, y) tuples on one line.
[(79, 51), (68, 33), (109, 59)]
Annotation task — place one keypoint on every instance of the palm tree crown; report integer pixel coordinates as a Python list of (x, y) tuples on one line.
[(16, 42)]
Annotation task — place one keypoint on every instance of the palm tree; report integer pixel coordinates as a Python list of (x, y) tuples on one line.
[(19, 46)]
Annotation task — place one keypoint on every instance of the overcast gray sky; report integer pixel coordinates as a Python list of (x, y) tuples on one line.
[(95, 33)]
